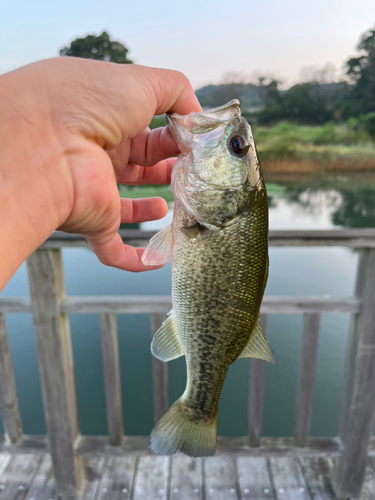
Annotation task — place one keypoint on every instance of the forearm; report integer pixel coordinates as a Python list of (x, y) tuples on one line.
[(27, 208)]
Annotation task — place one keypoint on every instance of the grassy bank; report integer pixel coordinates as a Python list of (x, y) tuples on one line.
[(291, 149), (288, 148)]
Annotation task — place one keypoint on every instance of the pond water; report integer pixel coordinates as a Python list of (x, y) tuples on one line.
[(294, 204)]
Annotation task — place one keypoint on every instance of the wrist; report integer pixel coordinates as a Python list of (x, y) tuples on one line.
[(31, 203)]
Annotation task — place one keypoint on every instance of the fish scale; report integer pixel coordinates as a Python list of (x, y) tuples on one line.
[(218, 243), (217, 297)]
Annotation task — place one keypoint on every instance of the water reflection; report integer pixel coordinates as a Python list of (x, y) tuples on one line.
[(350, 202)]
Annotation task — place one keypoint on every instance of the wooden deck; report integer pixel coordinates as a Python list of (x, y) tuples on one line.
[(121, 467), (30, 477)]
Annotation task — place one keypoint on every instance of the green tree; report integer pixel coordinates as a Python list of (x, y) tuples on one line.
[(99, 47), (361, 73)]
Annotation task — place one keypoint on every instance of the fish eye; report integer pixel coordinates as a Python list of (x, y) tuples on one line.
[(238, 146)]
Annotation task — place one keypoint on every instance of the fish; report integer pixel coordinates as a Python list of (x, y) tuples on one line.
[(218, 245)]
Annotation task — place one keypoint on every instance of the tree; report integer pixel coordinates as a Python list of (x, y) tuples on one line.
[(99, 47), (361, 73)]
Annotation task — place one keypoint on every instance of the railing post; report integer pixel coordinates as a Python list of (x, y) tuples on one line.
[(112, 379), (359, 386), (256, 394), (159, 373), (8, 396), (47, 289), (306, 379)]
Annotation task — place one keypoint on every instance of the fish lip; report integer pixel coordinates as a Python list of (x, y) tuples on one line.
[(189, 121)]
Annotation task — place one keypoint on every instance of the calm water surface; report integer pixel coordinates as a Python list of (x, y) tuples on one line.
[(301, 204)]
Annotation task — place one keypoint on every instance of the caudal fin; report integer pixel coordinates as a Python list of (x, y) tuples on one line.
[(175, 432)]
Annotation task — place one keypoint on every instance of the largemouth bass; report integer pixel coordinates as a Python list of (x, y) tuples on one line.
[(218, 244)]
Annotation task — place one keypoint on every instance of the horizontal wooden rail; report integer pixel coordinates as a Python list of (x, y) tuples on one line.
[(352, 238), (148, 304)]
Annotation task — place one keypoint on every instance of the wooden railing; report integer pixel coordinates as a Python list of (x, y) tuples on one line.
[(51, 308)]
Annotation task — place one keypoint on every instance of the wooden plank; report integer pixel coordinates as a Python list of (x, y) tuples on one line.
[(94, 465), (18, 476), (8, 396), (256, 394), (117, 479), (127, 304), (253, 478), (15, 305), (359, 401), (151, 479), (368, 488), (353, 238), (5, 458), (220, 478), (43, 486), (317, 471), (299, 305), (186, 478), (159, 374), (138, 445), (140, 304), (305, 392), (27, 444), (288, 478), (112, 377), (47, 289)]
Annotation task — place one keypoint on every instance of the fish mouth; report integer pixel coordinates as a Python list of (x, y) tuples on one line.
[(200, 123)]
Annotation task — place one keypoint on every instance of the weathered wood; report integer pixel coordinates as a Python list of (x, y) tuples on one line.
[(353, 238), (305, 392), (43, 485), (94, 465), (159, 374), (368, 486), (253, 478), (138, 304), (128, 304), (117, 479), (256, 394), (359, 386), (138, 445), (220, 478), (288, 478), (8, 396), (298, 305), (186, 478), (27, 444), (47, 290), (151, 480), (15, 305), (18, 476), (5, 458), (112, 377), (317, 471)]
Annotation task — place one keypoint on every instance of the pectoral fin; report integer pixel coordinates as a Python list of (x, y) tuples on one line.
[(160, 248), (258, 346), (165, 344)]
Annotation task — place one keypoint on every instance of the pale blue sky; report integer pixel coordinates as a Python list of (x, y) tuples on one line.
[(204, 39)]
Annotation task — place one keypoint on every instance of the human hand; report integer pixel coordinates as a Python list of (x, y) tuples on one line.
[(70, 130)]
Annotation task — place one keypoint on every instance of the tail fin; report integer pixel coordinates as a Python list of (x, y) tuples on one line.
[(175, 432)]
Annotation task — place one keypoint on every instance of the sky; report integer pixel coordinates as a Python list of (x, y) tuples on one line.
[(203, 39)]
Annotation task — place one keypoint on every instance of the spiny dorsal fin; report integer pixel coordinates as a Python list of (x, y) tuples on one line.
[(160, 248), (165, 344), (258, 346)]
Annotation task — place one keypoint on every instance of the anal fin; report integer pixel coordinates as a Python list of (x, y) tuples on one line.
[(258, 346), (165, 344)]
